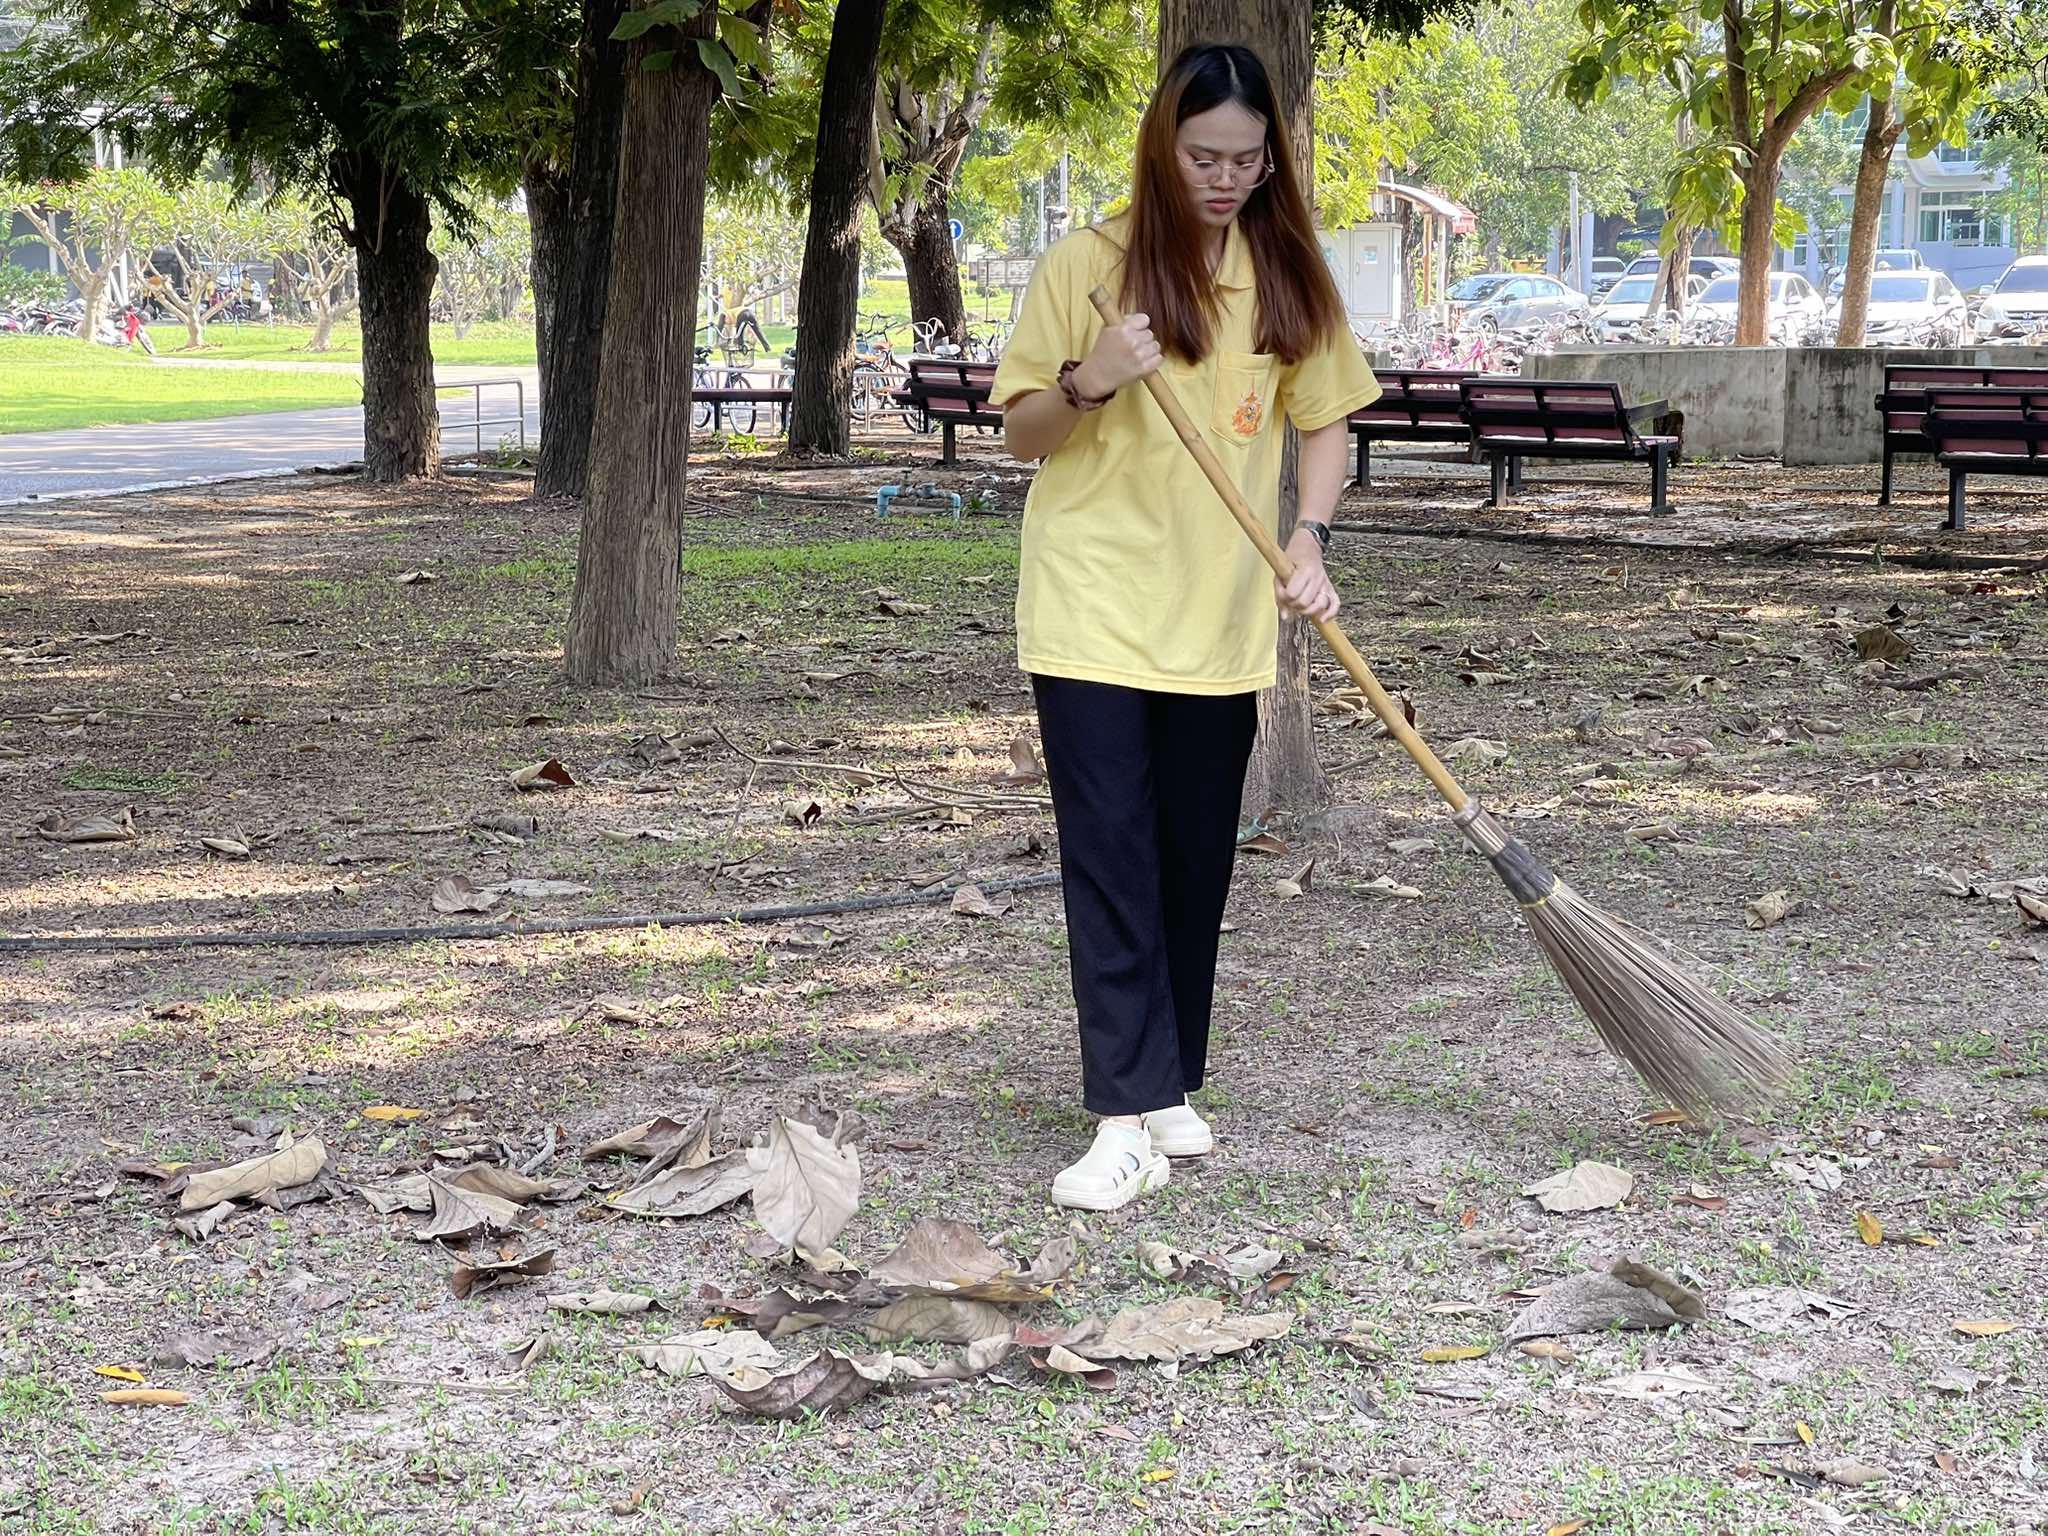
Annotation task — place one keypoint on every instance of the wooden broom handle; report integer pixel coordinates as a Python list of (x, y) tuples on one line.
[(1391, 714)]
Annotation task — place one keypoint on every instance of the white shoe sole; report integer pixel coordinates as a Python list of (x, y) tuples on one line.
[(1151, 1176), (1185, 1148)]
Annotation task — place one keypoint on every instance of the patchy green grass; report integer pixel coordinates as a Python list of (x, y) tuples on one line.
[(49, 383), (488, 343)]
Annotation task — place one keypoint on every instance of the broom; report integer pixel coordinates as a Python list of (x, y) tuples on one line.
[(1685, 1040)]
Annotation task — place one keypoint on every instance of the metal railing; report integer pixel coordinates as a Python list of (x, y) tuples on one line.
[(478, 420)]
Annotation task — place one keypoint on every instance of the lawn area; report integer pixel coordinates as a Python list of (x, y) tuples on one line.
[(48, 383), (1676, 709), (487, 344)]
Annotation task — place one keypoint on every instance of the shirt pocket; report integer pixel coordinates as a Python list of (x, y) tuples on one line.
[(1243, 405)]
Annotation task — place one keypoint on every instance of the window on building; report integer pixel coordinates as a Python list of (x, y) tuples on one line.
[(1958, 218)]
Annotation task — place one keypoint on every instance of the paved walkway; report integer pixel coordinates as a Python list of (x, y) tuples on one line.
[(105, 459)]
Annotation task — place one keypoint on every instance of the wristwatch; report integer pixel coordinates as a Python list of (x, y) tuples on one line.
[(1072, 391), (1320, 530)]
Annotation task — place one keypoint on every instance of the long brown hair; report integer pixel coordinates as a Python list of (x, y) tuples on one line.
[(1166, 271)]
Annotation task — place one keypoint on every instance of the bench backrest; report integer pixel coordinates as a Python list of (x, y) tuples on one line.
[(1906, 385), (1417, 397), (1990, 423), (1515, 413), (949, 384)]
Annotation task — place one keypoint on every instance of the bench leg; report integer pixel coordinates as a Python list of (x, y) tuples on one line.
[(1955, 498), (1364, 461), (1660, 478), (946, 451), (1515, 472), (1499, 464), (1884, 484)]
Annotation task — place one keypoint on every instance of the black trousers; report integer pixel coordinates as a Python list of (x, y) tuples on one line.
[(1145, 790)]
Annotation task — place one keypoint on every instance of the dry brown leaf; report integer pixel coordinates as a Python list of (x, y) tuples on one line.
[(1882, 643), (602, 1303), (1263, 842), (939, 1257), (1187, 1329), (219, 1349), (295, 1163), (708, 1352), (226, 847), (473, 1279), (2033, 909), (1025, 768), (1477, 749), (455, 894), (828, 1380), (544, 775), (1654, 832), (806, 1186), (1568, 1528), (900, 608), (1770, 908), (1586, 1186), (1982, 1327), (414, 578), (1850, 1473), (510, 1184), (201, 1224), (390, 1112), (1629, 1294), (973, 901), (688, 1189), (458, 1213), (1548, 1349), (804, 811), (1699, 1195), (117, 828), (1387, 887), (1296, 884), (653, 1137), (939, 1320)]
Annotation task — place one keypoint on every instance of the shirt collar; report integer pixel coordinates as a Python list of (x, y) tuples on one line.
[(1235, 270)]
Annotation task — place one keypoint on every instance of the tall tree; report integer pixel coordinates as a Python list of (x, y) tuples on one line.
[(1284, 770), (198, 229), (94, 222), (622, 615), (386, 111), (820, 418), (1749, 73), (577, 201)]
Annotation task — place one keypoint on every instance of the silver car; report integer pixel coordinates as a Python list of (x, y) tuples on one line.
[(1914, 309), (2018, 305), (1504, 300)]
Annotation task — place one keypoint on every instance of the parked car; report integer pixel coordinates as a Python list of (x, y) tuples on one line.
[(1887, 261), (1920, 308), (1793, 305), (1503, 300), (1709, 267), (1606, 272), (1628, 301), (2018, 304)]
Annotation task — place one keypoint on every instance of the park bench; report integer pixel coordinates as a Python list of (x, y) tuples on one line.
[(1904, 400), (1513, 419), (1985, 431), (1416, 405), (723, 397), (951, 393)]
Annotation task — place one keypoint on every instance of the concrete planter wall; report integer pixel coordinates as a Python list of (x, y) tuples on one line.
[(1805, 405)]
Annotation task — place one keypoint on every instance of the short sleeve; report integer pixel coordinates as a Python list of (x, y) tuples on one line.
[(1046, 333), (1330, 383)]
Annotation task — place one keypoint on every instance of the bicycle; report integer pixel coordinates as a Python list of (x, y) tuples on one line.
[(705, 376)]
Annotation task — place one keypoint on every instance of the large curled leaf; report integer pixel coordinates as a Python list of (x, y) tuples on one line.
[(806, 1187), (650, 1138), (939, 1320), (467, 1279), (689, 1191), (458, 1213), (1188, 1328), (1585, 1186), (1629, 1295), (938, 1257), (708, 1352), (294, 1163)]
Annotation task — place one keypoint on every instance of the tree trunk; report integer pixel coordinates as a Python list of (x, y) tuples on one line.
[(395, 278), (1879, 137), (569, 373), (928, 265), (323, 326), (820, 419), (1669, 292), (622, 619), (547, 211), (1759, 242), (1284, 771)]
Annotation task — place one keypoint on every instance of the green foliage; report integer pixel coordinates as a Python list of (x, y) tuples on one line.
[(28, 285)]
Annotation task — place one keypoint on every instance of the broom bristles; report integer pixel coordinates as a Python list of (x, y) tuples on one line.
[(1687, 1042)]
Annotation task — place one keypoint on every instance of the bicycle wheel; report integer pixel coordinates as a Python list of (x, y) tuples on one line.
[(700, 408)]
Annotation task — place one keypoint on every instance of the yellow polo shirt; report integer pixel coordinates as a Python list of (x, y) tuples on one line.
[(1133, 571)]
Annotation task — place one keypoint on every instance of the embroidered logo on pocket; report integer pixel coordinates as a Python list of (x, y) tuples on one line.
[(1250, 414)]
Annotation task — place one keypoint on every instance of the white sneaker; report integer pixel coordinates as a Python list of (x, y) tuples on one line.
[(1119, 1167), (1180, 1132)]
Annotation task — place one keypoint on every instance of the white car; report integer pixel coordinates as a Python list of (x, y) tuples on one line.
[(1793, 305), (2018, 304), (1628, 301), (1920, 309), (1504, 300)]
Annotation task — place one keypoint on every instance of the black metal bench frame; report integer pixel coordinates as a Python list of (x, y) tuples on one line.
[(1434, 414), (1897, 398), (720, 397), (1540, 414), (955, 379), (1959, 415)]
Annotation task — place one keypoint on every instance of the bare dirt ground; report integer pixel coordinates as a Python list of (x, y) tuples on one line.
[(1685, 730)]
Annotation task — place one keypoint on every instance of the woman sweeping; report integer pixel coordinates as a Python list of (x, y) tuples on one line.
[(1146, 620)]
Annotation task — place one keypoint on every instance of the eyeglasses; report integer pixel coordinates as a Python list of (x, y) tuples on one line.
[(1205, 172)]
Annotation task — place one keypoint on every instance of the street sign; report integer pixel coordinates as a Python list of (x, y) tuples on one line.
[(955, 228)]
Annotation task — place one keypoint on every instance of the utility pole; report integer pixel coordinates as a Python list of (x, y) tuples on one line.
[(1577, 278)]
